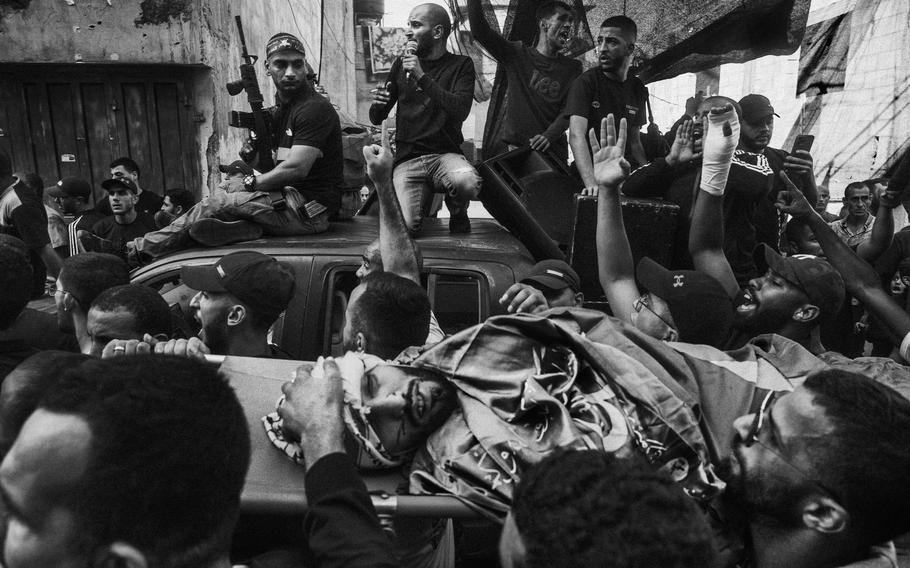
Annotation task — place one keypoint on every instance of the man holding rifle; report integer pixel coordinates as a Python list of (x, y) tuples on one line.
[(296, 197)]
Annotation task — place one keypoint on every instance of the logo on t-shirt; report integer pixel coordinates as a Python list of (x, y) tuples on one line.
[(632, 111), (595, 104)]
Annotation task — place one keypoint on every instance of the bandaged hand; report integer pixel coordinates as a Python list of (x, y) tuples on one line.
[(721, 127)]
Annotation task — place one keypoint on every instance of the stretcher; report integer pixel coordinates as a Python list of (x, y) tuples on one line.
[(275, 485)]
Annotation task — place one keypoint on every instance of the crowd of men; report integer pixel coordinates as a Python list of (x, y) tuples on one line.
[(722, 415)]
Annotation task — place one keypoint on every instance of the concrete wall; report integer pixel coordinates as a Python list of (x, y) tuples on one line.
[(184, 32)]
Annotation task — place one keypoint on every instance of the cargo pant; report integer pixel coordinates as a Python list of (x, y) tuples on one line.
[(253, 206)]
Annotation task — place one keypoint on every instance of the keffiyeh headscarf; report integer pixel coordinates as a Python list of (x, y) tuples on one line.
[(362, 444)]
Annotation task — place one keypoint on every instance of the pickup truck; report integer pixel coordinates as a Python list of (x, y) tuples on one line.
[(464, 276)]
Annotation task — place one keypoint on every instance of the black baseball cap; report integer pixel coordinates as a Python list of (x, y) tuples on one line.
[(70, 187), (701, 308), (236, 167), (127, 183), (820, 281), (553, 274), (255, 279), (756, 107)]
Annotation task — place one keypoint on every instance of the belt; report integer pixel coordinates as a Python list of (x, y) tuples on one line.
[(276, 197)]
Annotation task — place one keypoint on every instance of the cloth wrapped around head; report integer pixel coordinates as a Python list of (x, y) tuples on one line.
[(388, 410)]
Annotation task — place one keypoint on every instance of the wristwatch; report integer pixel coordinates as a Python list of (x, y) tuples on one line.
[(249, 182)]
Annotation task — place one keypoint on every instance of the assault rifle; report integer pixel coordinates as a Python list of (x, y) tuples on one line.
[(258, 120)]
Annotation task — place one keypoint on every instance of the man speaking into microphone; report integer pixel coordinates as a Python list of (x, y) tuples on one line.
[(434, 90)]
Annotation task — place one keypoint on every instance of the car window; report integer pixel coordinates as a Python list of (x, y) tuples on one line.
[(457, 297)]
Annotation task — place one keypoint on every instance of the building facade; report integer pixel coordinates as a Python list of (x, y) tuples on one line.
[(85, 81)]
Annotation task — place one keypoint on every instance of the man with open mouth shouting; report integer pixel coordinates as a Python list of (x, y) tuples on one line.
[(536, 80)]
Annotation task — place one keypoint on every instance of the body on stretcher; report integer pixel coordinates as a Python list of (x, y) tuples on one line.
[(275, 484)]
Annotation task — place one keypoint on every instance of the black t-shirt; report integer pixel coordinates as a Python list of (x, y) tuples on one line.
[(536, 89), (86, 219), (312, 121), (23, 216), (120, 234), (431, 110), (146, 206), (593, 95)]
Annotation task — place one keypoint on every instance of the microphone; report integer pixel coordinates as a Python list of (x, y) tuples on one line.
[(410, 48)]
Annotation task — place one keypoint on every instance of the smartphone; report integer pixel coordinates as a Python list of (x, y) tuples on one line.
[(803, 142)]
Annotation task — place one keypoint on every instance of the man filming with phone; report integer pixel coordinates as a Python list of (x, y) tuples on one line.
[(757, 128)]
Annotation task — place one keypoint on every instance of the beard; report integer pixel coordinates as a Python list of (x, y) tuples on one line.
[(215, 338), (764, 321), (759, 497)]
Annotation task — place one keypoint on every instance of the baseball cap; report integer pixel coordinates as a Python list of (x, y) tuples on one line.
[(820, 281), (282, 41), (127, 183), (256, 279), (70, 187), (756, 107), (701, 308), (236, 167), (553, 274)]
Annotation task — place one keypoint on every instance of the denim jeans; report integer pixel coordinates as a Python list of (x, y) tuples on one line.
[(253, 206), (417, 179)]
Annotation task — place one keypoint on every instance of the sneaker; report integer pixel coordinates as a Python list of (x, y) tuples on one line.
[(214, 232), (459, 225), (459, 222)]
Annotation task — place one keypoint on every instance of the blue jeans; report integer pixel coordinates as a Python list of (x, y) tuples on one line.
[(417, 179), (253, 206)]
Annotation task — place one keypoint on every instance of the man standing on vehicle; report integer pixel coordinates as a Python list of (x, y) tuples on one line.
[(607, 89), (537, 79), (297, 197), (434, 90)]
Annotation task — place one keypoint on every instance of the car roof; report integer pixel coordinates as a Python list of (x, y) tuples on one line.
[(488, 240)]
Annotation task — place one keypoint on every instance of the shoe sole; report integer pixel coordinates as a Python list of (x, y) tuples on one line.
[(215, 233)]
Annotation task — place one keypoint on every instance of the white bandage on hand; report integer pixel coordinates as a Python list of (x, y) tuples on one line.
[(720, 141), (905, 348)]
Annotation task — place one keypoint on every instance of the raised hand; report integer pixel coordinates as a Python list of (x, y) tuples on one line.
[(890, 198), (683, 148), (721, 137), (792, 200), (379, 158), (610, 167)]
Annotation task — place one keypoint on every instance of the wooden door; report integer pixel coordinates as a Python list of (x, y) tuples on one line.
[(73, 120)]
